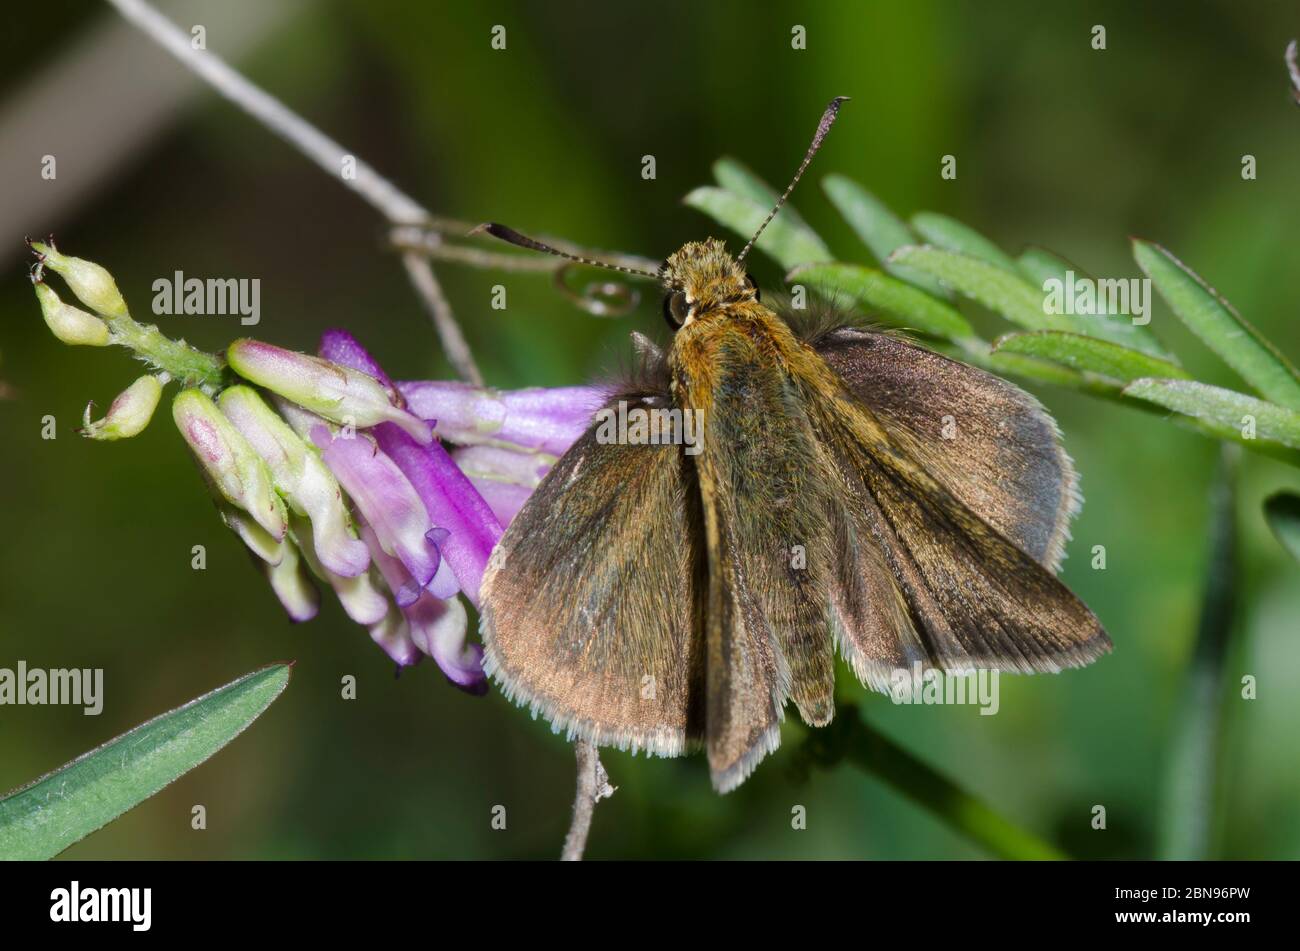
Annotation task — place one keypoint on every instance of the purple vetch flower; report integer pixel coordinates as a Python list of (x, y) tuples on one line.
[(449, 497), (393, 635), (438, 628), (360, 594), (386, 498), (504, 477), (504, 498), (543, 420)]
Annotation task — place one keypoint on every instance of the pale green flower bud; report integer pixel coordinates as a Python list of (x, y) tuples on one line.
[(293, 586), (339, 394), (236, 470), (301, 477), (92, 284), (129, 414), (71, 324), (259, 542)]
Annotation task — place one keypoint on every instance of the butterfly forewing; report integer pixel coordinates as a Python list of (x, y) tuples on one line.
[(989, 443), (589, 602)]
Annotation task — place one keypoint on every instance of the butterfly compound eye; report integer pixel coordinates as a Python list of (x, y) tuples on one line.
[(753, 284), (675, 309)]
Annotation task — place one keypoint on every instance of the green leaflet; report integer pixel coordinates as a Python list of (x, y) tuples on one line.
[(1089, 354), (903, 304), (1224, 408), (41, 820), (949, 233), (880, 229), (790, 243), (1039, 266), (1222, 329), (993, 286)]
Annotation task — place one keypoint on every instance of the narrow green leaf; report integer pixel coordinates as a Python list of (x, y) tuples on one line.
[(787, 242), (1219, 326), (1039, 266), (41, 820), (1282, 511), (736, 177), (995, 287), (880, 229), (950, 234), (1225, 408), (903, 304), (1089, 354)]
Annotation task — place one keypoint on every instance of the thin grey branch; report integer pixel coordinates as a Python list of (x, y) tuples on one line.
[(355, 174), (1293, 69), (420, 271), (593, 786)]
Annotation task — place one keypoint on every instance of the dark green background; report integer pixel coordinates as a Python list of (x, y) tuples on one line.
[(1057, 144)]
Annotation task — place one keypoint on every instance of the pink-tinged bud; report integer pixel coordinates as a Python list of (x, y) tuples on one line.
[(128, 415), (92, 284), (236, 470), (339, 394), (71, 324), (302, 478), (292, 585), (393, 634), (361, 594)]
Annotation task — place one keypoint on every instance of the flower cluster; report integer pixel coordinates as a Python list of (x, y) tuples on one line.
[(330, 472)]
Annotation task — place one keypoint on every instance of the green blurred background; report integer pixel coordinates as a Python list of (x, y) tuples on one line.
[(1057, 145)]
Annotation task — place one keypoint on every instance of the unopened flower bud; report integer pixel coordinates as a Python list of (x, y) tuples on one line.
[(293, 586), (254, 536), (236, 470), (71, 324), (92, 284), (129, 414), (339, 394)]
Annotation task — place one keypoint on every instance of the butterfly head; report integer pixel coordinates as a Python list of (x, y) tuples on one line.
[(702, 278)]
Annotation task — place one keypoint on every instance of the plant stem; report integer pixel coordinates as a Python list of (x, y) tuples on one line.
[(849, 737), (1188, 813), (593, 786), (188, 365)]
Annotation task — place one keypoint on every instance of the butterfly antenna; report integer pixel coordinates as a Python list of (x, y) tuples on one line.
[(828, 118), (511, 236)]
